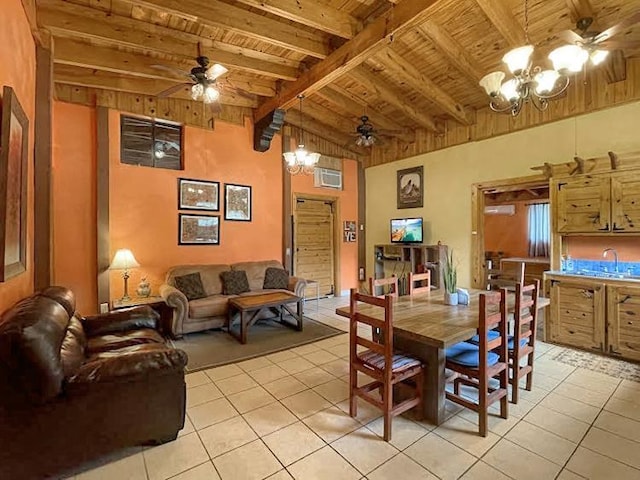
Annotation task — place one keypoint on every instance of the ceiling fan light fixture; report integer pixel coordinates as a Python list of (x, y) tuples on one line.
[(598, 56), (518, 59), (568, 58), (211, 94), (197, 90)]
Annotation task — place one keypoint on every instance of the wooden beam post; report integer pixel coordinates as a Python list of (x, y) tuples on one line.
[(287, 215), (102, 205), (501, 16)]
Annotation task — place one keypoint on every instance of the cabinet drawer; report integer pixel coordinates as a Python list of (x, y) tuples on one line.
[(623, 315)]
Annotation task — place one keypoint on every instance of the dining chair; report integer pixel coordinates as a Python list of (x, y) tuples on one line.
[(522, 343), (506, 277), (390, 282), (475, 365), (380, 362), (425, 282)]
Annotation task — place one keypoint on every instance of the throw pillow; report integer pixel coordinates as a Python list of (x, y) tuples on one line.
[(235, 282), (275, 278), (190, 285)]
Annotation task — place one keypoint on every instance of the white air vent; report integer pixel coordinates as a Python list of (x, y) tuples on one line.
[(500, 210), (325, 177)]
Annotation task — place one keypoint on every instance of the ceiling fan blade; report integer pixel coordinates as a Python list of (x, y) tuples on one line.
[(570, 36), (172, 90), (216, 70), (390, 133), (240, 92), (620, 45), (176, 71), (215, 107), (624, 24)]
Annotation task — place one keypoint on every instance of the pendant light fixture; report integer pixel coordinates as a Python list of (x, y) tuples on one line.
[(301, 161)]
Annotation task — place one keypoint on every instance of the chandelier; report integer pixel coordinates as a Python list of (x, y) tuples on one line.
[(301, 161), (529, 83)]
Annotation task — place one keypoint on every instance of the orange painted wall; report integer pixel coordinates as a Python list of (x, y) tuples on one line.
[(508, 233), (348, 199), (591, 248), (74, 205), (17, 70), (143, 203)]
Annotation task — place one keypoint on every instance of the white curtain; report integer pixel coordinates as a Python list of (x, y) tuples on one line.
[(539, 230)]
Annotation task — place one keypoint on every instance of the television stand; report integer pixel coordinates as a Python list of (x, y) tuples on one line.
[(400, 259)]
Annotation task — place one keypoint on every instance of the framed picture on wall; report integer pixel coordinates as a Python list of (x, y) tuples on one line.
[(410, 188), (198, 195), (194, 229), (14, 141), (237, 202)]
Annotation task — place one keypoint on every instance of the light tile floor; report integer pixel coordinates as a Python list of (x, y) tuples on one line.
[(285, 416)]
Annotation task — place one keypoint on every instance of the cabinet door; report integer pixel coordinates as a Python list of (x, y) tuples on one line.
[(577, 314), (623, 316), (625, 202), (584, 204)]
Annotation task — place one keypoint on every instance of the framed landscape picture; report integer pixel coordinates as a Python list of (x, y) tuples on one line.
[(194, 229), (198, 195), (410, 187), (14, 140), (237, 202)]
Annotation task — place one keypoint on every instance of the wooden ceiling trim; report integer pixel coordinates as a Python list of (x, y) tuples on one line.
[(70, 52), (86, 77), (63, 18), (504, 20), (422, 84), (328, 116), (365, 76), (371, 39), (452, 51), (313, 13), (246, 23)]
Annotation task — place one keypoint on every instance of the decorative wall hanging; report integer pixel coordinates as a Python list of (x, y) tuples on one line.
[(198, 195), (410, 188), (14, 140), (237, 202), (349, 234), (196, 229)]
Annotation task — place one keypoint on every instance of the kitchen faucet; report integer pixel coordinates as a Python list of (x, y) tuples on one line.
[(615, 257)]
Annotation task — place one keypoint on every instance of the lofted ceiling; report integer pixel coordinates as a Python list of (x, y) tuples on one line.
[(412, 66)]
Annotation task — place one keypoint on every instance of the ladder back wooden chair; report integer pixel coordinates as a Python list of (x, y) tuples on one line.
[(507, 277), (379, 361), (390, 282), (522, 344), (425, 283), (476, 365)]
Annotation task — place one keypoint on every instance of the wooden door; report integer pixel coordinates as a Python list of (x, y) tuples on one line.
[(623, 321), (584, 204), (625, 202), (577, 314), (313, 243)]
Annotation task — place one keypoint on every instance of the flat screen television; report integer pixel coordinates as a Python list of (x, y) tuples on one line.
[(406, 230)]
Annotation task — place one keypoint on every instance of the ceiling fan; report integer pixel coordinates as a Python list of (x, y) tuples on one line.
[(598, 44), (366, 134)]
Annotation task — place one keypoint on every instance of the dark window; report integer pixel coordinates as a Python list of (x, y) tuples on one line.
[(150, 143)]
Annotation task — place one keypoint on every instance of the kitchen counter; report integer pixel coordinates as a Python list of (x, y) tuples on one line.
[(537, 260), (595, 277)]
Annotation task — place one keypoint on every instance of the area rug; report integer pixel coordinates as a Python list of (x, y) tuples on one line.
[(213, 348), (598, 363)]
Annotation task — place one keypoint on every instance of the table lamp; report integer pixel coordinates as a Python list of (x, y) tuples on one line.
[(124, 260)]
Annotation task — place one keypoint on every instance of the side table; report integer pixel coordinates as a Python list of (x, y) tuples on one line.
[(155, 302)]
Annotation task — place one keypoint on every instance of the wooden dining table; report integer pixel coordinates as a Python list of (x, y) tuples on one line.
[(423, 326)]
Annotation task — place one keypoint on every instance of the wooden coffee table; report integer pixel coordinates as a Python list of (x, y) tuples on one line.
[(248, 308)]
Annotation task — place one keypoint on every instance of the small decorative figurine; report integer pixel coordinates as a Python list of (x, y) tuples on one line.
[(144, 289)]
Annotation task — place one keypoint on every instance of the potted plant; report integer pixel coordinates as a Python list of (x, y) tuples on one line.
[(450, 281)]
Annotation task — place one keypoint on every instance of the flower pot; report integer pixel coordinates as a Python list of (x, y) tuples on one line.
[(451, 298)]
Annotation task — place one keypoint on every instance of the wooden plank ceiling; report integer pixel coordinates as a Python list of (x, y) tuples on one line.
[(412, 66)]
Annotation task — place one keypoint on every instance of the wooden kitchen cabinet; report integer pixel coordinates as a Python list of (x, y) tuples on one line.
[(623, 321), (625, 202), (583, 204), (577, 314)]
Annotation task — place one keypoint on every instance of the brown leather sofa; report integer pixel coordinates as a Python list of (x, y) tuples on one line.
[(73, 389)]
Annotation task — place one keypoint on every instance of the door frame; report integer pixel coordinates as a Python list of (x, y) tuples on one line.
[(478, 191), (337, 233)]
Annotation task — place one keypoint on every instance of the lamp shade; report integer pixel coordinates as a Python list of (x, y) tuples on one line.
[(569, 58), (598, 56), (211, 94), (517, 59), (545, 81), (510, 90), (123, 260), (492, 82)]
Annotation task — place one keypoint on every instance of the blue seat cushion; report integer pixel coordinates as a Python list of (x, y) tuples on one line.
[(491, 335), (468, 355), (523, 342)]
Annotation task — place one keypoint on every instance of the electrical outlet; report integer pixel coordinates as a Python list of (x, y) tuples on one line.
[(104, 308)]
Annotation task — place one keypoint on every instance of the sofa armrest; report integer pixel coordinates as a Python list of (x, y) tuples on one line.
[(297, 285), (129, 366), (122, 320), (179, 304)]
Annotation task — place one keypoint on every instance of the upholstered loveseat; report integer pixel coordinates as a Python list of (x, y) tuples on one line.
[(75, 388), (211, 311)]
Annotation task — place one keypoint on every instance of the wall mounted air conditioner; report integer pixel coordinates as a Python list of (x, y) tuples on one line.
[(500, 210), (325, 177)]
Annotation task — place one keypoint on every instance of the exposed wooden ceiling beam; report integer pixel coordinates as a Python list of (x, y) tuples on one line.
[(239, 20), (371, 39), (452, 51), (110, 81), (504, 20), (311, 125), (388, 94), (422, 84), (328, 116), (64, 18), (313, 13), (70, 52)]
